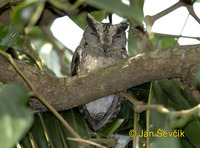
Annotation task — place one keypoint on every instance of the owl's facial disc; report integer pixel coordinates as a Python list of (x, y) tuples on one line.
[(105, 35)]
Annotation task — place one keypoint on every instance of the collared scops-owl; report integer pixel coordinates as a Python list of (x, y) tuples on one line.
[(102, 43)]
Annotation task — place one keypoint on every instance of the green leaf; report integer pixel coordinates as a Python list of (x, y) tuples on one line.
[(64, 5), (177, 95), (26, 143), (166, 142), (47, 131), (158, 96), (53, 130), (111, 128), (80, 19), (167, 93), (141, 92), (133, 43), (126, 111), (163, 42), (116, 6), (197, 77), (48, 70), (27, 13), (9, 35), (126, 127), (15, 117), (192, 131), (77, 122), (38, 135)]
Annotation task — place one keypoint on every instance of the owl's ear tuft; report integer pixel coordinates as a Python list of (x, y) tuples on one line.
[(91, 21), (124, 24)]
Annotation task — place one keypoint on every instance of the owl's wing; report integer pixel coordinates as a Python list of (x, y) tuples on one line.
[(76, 61)]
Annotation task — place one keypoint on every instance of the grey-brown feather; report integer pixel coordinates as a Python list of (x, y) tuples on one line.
[(101, 44)]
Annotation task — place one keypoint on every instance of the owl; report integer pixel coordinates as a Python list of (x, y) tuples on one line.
[(102, 43)]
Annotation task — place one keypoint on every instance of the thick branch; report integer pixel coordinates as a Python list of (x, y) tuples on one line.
[(64, 93)]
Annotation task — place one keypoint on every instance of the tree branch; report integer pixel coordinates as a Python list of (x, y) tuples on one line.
[(64, 93)]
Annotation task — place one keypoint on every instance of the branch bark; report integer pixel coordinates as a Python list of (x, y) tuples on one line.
[(64, 93)]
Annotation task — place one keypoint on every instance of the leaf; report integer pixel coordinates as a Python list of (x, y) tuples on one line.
[(197, 78), (47, 131), (111, 128), (80, 19), (116, 6), (167, 93), (166, 142), (15, 117), (133, 43), (48, 70), (158, 96), (38, 135), (126, 111), (26, 143), (27, 13), (163, 42), (191, 131), (77, 122), (9, 35), (177, 95), (141, 92), (126, 127), (53, 130), (63, 5)]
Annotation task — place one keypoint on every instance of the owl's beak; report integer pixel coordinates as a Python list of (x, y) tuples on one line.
[(105, 48)]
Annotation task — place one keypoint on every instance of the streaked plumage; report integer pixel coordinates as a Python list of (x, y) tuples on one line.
[(102, 43)]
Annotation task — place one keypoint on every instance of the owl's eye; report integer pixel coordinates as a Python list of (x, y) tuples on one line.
[(117, 35), (94, 33)]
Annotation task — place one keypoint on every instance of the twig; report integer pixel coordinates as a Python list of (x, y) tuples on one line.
[(141, 34), (33, 51), (110, 142), (192, 13), (176, 36), (7, 56), (85, 141), (187, 112), (38, 63), (152, 19), (145, 41), (140, 106), (130, 98), (184, 24)]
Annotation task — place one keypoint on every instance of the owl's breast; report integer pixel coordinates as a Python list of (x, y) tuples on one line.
[(90, 63), (92, 60)]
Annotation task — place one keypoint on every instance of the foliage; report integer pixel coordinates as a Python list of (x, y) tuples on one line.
[(15, 117), (47, 131), (9, 35)]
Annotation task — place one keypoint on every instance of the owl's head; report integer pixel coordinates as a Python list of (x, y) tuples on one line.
[(105, 35)]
